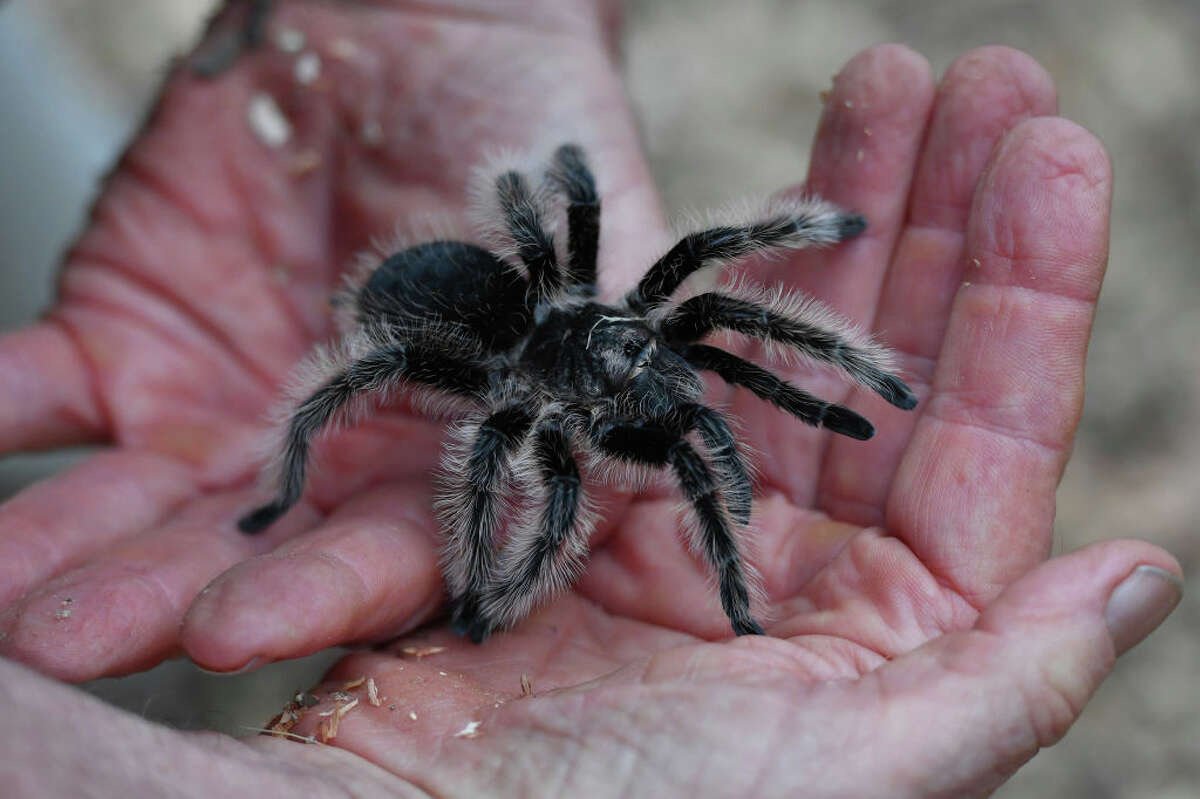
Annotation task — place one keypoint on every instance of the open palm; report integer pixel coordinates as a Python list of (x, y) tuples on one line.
[(205, 275)]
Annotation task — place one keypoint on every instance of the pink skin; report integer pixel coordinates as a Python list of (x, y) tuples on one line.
[(910, 610)]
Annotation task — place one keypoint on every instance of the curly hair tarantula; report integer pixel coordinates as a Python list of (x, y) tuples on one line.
[(558, 375)]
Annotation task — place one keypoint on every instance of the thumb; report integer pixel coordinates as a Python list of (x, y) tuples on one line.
[(986, 699)]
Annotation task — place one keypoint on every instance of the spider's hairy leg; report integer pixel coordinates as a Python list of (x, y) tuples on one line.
[(809, 329), (535, 246), (570, 175), (420, 362), (807, 223), (545, 556), (471, 508), (722, 448), (804, 406), (655, 444)]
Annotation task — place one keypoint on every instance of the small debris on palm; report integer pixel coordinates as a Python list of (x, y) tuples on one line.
[(419, 652), (469, 731)]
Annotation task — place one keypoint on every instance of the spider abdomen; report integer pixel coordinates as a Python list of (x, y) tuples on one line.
[(450, 282)]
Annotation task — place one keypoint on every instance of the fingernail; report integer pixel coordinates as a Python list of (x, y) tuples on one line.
[(1139, 604)]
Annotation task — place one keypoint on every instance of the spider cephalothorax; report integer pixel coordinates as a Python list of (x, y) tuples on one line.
[(558, 378)]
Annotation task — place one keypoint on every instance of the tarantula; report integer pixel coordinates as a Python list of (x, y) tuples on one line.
[(555, 374)]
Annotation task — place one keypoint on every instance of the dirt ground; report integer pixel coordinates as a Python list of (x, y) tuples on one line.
[(734, 86)]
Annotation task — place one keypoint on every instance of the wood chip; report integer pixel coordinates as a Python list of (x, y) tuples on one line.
[(305, 699), (344, 709), (327, 730), (419, 652), (341, 696), (350, 686), (267, 121), (372, 133), (290, 40), (283, 722), (372, 692), (469, 731), (307, 68), (526, 685), (344, 49), (412, 714), (306, 161)]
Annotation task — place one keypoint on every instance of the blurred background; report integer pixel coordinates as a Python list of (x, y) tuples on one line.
[(727, 94)]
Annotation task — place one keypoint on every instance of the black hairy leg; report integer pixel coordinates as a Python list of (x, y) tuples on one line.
[(570, 175), (545, 556), (809, 224), (535, 245), (654, 444), (700, 315), (722, 449), (426, 363), (804, 406), (472, 509)]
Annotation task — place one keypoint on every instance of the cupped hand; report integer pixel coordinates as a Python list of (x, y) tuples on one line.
[(917, 637)]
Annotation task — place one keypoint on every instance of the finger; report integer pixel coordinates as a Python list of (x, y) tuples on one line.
[(370, 571), (61, 522), (983, 95), (974, 493), (863, 159), (46, 395), (121, 612), (990, 697)]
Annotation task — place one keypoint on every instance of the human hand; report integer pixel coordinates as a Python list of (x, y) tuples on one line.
[(964, 490), (206, 273), (920, 643)]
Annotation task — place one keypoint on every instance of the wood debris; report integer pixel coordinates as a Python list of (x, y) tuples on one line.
[(290, 40), (284, 721), (372, 132), (412, 714), (350, 686), (372, 692), (342, 48), (469, 731), (267, 121), (305, 699), (62, 613), (306, 161), (526, 685), (327, 730), (307, 68), (419, 652)]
